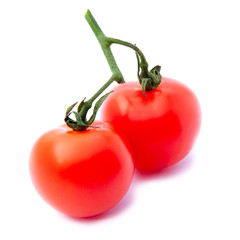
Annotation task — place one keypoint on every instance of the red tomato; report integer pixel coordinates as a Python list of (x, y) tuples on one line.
[(161, 127), (81, 174)]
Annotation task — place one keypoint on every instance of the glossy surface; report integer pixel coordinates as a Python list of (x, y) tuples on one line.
[(81, 174), (161, 127)]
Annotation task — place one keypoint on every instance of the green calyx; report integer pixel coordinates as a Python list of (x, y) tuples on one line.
[(149, 80), (81, 123)]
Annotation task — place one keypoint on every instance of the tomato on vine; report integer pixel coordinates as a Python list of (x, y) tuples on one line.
[(159, 117), (85, 167), (161, 127)]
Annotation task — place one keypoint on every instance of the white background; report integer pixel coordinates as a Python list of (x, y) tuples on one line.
[(49, 58)]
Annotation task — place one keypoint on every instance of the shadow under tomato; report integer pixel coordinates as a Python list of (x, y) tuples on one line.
[(173, 171), (139, 177)]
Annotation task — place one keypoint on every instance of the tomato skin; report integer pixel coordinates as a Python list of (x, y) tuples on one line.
[(161, 128), (81, 174)]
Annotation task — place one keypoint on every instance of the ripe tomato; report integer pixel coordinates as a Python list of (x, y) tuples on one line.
[(84, 173), (161, 127)]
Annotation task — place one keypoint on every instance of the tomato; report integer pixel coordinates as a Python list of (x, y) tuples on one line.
[(81, 173), (161, 128)]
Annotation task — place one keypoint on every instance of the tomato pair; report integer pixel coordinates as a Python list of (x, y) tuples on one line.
[(85, 173), (85, 167)]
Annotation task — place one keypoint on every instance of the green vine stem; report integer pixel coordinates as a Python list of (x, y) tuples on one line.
[(148, 79)]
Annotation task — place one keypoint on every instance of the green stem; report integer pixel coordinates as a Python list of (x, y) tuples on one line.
[(102, 89), (148, 80), (143, 64), (105, 45), (88, 104)]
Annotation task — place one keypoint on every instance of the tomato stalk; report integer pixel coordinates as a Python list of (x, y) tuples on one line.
[(149, 80)]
